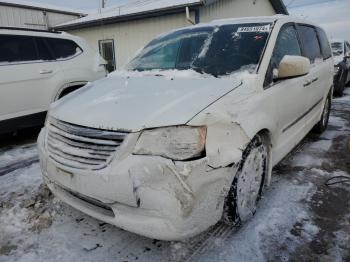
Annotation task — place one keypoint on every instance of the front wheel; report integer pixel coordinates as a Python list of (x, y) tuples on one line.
[(321, 126), (246, 190)]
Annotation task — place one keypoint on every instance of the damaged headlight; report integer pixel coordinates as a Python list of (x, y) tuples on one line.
[(177, 143)]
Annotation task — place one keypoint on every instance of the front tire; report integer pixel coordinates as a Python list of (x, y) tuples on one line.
[(246, 190)]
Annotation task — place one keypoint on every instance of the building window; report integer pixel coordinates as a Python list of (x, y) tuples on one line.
[(107, 52)]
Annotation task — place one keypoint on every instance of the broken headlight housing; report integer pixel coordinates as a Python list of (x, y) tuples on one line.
[(177, 143)]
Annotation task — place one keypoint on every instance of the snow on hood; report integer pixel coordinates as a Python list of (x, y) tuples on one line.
[(133, 103)]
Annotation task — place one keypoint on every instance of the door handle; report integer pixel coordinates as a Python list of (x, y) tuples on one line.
[(315, 79), (307, 83), (45, 71)]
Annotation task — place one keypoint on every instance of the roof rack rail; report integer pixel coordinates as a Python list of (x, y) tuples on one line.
[(29, 29)]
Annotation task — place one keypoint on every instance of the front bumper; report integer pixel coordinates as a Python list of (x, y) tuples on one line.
[(148, 195)]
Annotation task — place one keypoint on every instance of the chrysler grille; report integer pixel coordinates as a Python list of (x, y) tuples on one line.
[(81, 147)]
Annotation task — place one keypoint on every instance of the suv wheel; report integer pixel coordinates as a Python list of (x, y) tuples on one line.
[(246, 190)]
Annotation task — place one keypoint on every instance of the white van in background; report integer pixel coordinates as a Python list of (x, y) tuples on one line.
[(37, 68)]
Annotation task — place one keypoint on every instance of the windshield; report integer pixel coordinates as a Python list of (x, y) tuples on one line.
[(337, 48), (218, 51)]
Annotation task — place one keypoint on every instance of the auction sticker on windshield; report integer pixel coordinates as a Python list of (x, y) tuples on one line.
[(254, 29)]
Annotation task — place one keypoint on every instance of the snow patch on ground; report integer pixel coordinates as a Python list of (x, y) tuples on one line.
[(338, 122), (303, 160), (324, 145), (17, 154)]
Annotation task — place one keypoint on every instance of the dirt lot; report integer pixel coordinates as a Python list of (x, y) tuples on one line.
[(299, 219)]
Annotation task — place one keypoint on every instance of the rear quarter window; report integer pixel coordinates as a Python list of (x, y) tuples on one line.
[(310, 44), (44, 52), (325, 45), (63, 49)]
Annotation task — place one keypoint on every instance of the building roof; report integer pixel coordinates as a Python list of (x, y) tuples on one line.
[(42, 7), (144, 9)]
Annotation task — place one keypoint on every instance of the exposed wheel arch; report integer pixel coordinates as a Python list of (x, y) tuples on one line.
[(69, 88)]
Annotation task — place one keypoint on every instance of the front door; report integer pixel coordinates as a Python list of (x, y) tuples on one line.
[(288, 95)]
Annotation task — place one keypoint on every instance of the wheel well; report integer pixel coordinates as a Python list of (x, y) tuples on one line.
[(69, 90), (266, 134)]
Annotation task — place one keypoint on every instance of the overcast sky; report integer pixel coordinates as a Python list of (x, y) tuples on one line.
[(332, 14)]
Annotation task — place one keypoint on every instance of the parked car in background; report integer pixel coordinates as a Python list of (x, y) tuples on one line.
[(37, 68), (341, 53), (189, 133)]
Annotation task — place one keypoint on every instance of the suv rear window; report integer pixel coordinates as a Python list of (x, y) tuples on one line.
[(310, 44), (63, 48), (16, 49), (325, 46)]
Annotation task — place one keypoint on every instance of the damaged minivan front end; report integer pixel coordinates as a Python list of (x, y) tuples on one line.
[(166, 183), (155, 149)]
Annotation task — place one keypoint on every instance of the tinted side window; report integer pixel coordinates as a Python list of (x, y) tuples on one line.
[(63, 49), (44, 52), (287, 44), (310, 44), (17, 49), (325, 46)]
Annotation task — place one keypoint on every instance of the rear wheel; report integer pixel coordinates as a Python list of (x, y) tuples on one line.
[(321, 126), (246, 190)]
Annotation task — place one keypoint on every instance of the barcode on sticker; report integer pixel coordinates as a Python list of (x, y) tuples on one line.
[(254, 29)]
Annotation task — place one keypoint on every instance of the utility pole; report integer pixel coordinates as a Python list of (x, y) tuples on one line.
[(103, 3)]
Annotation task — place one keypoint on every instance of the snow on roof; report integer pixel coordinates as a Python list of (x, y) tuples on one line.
[(41, 6), (131, 9), (143, 7)]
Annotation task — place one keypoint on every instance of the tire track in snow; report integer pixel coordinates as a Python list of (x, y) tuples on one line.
[(18, 157), (10, 167), (207, 240)]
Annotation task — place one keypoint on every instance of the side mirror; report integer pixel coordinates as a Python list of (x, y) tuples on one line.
[(292, 66), (347, 55)]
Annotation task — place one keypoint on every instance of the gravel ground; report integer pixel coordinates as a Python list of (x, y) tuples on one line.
[(299, 218)]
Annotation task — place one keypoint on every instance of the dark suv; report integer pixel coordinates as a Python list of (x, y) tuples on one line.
[(341, 53)]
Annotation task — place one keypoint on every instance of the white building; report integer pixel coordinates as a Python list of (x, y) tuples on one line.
[(118, 32), (23, 14)]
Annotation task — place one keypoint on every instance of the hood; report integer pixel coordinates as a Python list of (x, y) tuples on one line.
[(135, 103)]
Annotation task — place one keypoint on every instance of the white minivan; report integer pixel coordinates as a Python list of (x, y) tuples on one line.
[(37, 68), (189, 132)]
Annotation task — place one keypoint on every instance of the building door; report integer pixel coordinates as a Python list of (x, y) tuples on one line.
[(107, 52)]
